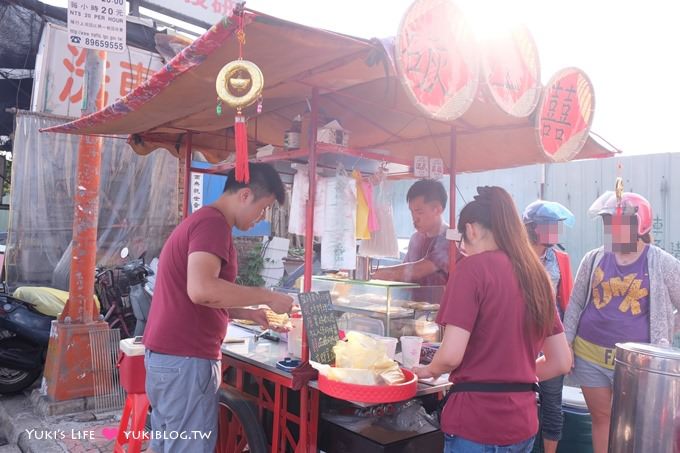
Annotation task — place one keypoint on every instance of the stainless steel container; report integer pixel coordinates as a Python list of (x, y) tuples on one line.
[(646, 408), (363, 270)]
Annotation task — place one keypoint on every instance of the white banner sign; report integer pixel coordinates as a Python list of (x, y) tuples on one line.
[(420, 166), (97, 24), (60, 66), (436, 168), (208, 11), (196, 187)]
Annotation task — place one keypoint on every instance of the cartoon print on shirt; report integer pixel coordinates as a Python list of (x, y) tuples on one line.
[(629, 286)]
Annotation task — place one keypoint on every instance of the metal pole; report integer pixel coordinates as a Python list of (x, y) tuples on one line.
[(134, 8), (80, 305), (69, 369), (453, 250), (309, 262)]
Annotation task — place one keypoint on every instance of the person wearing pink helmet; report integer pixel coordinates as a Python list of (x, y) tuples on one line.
[(624, 291)]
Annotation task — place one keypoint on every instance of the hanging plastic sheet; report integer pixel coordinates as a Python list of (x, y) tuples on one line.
[(298, 202), (362, 207), (383, 242), (138, 205), (338, 244)]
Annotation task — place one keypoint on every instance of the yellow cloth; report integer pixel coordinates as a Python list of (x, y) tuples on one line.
[(48, 301), (362, 231), (593, 353)]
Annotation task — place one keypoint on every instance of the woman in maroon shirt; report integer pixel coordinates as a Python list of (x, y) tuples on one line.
[(499, 313)]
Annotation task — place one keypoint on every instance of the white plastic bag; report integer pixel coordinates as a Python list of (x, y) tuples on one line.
[(383, 243)]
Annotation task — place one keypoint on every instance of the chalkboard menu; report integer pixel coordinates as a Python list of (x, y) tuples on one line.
[(320, 325)]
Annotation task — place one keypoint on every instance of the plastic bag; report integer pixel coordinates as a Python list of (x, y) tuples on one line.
[(383, 242), (361, 359), (338, 245), (48, 301), (411, 416), (360, 351)]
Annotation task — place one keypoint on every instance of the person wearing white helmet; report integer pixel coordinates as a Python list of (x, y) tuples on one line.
[(625, 291), (543, 221)]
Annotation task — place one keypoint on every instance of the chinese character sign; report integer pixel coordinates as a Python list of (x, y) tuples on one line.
[(59, 82), (565, 115), (436, 168), (97, 24), (657, 231), (420, 167), (196, 191), (511, 71), (208, 11), (437, 59)]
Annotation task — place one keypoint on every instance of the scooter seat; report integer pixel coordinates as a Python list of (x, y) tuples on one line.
[(48, 301)]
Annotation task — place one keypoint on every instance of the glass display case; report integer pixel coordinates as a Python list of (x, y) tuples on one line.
[(384, 308)]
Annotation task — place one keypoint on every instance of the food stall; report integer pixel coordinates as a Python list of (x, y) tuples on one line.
[(424, 100)]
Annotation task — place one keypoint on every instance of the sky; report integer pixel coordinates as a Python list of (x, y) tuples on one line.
[(629, 49)]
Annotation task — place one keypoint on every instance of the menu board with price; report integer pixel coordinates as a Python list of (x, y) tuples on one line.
[(320, 325), (97, 24)]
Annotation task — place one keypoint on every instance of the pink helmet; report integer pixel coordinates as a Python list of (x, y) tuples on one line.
[(631, 203)]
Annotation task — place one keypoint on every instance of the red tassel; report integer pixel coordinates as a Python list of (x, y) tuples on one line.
[(241, 135)]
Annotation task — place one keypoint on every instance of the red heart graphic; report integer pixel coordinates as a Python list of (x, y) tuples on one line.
[(110, 433)]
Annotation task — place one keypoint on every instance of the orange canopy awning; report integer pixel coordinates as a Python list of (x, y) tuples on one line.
[(358, 85)]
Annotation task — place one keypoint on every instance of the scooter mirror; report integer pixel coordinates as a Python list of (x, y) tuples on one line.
[(124, 252)]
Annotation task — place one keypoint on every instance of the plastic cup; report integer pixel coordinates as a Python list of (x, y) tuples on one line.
[(410, 351), (390, 345), (295, 337)]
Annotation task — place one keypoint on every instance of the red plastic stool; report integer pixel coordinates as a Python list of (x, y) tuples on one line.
[(132, 376), (132, 423)]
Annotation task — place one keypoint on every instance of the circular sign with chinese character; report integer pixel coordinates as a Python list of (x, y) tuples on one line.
[(437, 59), (511, 71), (565, 114)]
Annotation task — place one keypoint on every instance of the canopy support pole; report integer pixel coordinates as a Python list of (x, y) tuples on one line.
[(305, 439), (453, 251), (68, 368)]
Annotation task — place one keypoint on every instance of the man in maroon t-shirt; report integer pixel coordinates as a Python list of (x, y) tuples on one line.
[(427, 260), (194, 297)]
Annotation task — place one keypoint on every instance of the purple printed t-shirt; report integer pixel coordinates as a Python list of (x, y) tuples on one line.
[(435, 249), (619, 308)]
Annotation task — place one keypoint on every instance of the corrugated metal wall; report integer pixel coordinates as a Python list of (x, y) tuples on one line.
[(577, 185)]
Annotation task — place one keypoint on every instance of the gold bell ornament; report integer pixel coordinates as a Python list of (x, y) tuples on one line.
[(239, 84)]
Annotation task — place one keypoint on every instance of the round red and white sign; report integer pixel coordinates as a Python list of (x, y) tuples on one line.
[(565, 114), (437, 60)]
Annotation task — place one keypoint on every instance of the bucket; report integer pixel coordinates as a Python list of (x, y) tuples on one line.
[(646, 407)]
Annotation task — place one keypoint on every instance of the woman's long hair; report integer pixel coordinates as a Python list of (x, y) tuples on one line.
[(494, 209)]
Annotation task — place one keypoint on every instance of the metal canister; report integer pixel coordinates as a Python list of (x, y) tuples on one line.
[(363, 270), (646, 407)]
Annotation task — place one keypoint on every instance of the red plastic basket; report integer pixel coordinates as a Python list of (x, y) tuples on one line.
[(370, 393)]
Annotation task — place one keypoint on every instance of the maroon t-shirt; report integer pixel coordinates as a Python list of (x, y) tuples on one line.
[(176, 325), (484, 298)]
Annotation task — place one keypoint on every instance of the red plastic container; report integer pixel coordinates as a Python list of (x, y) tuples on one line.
[(370, 393), (131, 366)]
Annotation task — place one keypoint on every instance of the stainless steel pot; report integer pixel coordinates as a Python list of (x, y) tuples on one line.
[(646, 407)]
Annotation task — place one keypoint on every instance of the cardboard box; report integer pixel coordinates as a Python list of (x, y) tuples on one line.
[(333, 133)]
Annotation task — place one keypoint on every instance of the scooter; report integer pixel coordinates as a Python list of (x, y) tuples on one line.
[(25, 331)]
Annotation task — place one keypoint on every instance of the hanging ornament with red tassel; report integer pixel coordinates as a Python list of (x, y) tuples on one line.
[(239, 84)]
